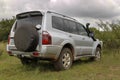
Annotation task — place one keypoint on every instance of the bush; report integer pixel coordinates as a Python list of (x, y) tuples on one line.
[(110, 34), (5, 26)]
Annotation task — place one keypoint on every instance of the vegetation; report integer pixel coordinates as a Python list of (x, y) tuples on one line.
[(5, 26), (110, 34), (106, 69)]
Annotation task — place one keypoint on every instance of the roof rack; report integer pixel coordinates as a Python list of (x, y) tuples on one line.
[(61, 15)]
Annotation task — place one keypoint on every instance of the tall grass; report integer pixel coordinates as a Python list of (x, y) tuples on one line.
[(106, 69), (2, 47), (110, 34)]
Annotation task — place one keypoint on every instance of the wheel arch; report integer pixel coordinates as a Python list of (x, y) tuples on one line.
[(99, 46), (96, 45), (70, 46)]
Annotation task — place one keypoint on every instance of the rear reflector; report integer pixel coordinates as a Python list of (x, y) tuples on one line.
[(9, 52), (36, 54)]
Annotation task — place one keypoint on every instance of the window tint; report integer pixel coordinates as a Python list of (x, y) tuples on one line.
[(64, 25), (81, 29), (72, 27), (31, 20), (57, 23)]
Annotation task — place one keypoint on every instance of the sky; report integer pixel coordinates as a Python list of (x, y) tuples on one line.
[(83, 10)]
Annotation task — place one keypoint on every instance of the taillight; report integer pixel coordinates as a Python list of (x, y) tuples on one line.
[(8, 39), (46, 38)]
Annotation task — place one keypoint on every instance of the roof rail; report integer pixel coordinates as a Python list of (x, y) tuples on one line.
[(61, 15)]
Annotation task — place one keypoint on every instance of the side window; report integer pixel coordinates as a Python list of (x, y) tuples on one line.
[(57, 23), (81, 30), (70, 26), (66, 25)]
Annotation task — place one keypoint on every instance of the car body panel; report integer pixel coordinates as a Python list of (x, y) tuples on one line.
[(83, 45)]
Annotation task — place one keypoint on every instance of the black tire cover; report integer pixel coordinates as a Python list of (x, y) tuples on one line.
[(26, 37)]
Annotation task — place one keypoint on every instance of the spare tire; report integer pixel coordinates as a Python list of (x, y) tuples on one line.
[(26, 37)]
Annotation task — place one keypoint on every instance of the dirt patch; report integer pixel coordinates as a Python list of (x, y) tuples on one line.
[(115, 68)]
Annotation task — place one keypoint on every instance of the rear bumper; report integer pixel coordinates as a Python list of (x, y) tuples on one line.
[(45, 52)]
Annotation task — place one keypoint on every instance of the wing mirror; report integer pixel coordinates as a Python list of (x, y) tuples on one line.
[(91, 34), (38, 27)]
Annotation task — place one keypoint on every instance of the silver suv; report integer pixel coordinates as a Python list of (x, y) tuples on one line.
[(51, 36)]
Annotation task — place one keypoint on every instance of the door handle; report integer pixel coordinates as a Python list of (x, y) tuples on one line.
[(83, 38), (70, 35)]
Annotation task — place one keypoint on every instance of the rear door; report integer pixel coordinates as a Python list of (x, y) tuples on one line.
[(73, 33), (85, 42)]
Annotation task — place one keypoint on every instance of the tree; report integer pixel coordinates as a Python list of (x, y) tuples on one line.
[(5, 26), (110, 34)]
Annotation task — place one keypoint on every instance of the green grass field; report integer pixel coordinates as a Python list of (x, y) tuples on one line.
[(106, 69)]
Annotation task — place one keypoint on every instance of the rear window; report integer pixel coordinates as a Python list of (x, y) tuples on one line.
[(32, 18)]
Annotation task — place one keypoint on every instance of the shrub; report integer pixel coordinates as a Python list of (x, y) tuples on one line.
[(5, 26), (110, 34)]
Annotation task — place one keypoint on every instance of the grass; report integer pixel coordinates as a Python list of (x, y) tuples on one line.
[(106, 69)]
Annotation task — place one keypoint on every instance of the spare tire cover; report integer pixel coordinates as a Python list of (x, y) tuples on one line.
[(26, 37)]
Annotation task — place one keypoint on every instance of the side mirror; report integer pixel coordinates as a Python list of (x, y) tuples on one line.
[(87, 25), (38, 27), (91, 34)]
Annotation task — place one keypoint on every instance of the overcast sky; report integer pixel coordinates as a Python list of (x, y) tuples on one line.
[(83, 10)]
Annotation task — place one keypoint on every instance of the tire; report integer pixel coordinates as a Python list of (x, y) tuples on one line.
[(28, 61), (26, 37), (97, 55), (64, 61)]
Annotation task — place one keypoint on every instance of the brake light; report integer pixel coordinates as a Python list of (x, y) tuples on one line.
[(46, 38), (8, 39)]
